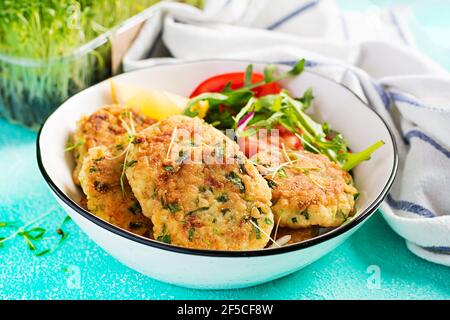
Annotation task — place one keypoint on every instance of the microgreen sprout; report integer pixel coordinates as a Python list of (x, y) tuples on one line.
[(34, 236), (265, 233), (43, 57), (73, 146)]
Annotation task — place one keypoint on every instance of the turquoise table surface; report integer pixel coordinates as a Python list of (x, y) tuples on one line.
[(373, 264)]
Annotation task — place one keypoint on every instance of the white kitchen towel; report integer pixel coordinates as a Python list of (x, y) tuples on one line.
[(370, 52)]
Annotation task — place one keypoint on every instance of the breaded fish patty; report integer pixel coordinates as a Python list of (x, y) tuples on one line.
[(198, 188), (100, 180), (308, 190), (105, 127)]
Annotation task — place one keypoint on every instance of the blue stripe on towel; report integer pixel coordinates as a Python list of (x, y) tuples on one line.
[(398, 97), (383, 95), (308, 63), (409, 206), (398, 27), (293, 14), (422, 136)]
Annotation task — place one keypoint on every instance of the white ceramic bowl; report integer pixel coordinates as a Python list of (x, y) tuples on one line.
[(208, 269)]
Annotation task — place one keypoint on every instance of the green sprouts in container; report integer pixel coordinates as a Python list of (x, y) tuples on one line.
[(49, 51)]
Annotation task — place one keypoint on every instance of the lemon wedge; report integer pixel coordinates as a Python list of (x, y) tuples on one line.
[(152, 103)]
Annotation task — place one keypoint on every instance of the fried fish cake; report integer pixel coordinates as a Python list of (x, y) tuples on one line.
[(100, 176), (198, 188), (308, 190), (105, 127)]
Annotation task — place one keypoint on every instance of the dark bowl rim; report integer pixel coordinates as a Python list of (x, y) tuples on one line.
[(223, 253)]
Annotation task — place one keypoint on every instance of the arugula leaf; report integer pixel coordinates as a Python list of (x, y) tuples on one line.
[(350, 160), (248, 75), (236, 99), (298, 68), (307, 99), (213, 98), (269, 73)]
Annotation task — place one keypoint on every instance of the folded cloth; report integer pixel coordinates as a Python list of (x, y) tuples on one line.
[(370, 52)]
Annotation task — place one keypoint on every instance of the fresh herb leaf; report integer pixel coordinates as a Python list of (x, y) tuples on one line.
[(255, 227), (172, 207), (197, 210), (234, 178), (130, 164), (164, 238), (269, 73), (135, 208), (168, 168), (222, 198), (74, 146), (191, 233), (307, 99), (248, 75), (298, 68), (272, 184), (305, 214), (350, 160)]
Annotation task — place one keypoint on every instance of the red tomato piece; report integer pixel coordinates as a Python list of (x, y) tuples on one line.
[(236, 80), (290, 140)]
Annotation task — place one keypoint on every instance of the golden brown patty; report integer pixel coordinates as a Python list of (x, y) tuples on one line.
[(100, 180), (105, 127), (309, 191), (218, 203)]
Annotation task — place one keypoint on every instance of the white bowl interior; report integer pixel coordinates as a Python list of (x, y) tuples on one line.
[(333, 104)]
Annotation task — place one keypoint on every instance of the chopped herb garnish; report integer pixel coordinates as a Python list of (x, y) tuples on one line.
[(164, 238), (168, 168), (294, 220), (305, 214), (272, 184), (197, 210), (191, 233), (257, 231), (234, 178), (172, 207), (282, 173), (356, 196), (119, 147), (135, 208), (74, 146), (130, 164), (36, 235), (268, 221), (222, 198), (93, 169)]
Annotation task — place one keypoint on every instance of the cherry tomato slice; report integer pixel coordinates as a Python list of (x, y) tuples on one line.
[(289, 139), (237, 80)]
